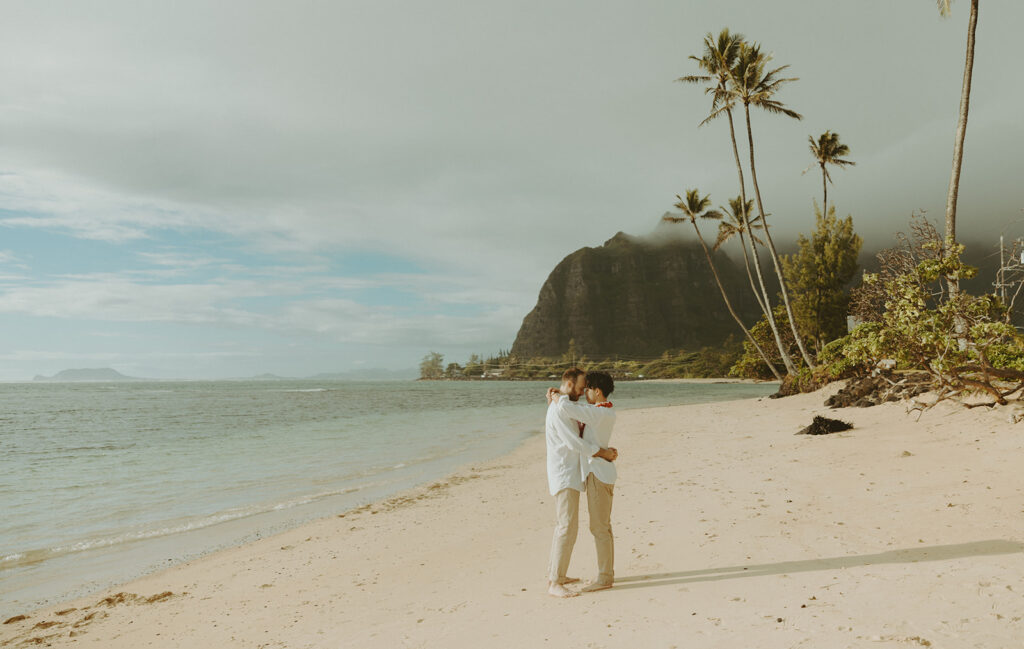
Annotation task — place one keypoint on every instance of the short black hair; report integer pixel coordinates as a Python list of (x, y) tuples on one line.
[(602, 381)]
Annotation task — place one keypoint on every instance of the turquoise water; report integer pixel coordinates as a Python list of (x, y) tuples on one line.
[(102, 482)]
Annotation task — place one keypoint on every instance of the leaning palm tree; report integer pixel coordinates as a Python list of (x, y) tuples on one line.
[(720, 55), (694, 207), (737, 223), (961, 133), (827, 150), (752, 84)]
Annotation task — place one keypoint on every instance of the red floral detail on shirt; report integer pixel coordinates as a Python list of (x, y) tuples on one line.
[(606, 404)]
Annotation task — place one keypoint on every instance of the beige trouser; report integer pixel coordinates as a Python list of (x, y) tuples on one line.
[(567, 523), (599, 504)]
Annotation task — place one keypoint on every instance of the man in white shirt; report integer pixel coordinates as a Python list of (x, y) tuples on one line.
[(566, 451), (596, 420)]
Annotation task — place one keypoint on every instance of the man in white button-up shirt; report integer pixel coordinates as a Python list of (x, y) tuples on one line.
[(597, 419), (566, 451)]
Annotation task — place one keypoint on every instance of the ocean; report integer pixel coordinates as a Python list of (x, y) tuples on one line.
[(104, 482)]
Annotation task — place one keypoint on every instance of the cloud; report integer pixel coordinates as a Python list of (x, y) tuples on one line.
[(37, 355), (310, 305), (476, 143)]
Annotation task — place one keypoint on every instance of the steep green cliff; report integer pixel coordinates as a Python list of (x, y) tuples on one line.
[(635, 298)]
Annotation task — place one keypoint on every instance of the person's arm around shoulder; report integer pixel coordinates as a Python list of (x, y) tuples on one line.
[(586, 448), (585, 412)]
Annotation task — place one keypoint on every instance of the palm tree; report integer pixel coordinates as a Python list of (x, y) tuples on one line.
[(961, 133), (828, 150), (694, 207), (720, 55), (752, 84), (737, 222)]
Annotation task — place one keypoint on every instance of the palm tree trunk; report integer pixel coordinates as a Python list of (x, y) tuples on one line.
[(745, 223), (766, 307), (958, 157), (771, 244), (746, 262), (824, 191), (728, 305)]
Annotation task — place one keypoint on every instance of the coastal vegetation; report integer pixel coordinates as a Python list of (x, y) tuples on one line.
[(706, 362), (910, 321)]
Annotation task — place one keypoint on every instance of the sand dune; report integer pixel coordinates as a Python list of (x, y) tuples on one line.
[(731, 531)]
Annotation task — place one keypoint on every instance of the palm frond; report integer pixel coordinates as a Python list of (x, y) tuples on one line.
[(827, 150), (714, 114), (944, 7), (694, 78), (725, 232), (776, 108)]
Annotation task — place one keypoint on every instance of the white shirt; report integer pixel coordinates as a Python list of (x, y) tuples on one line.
[(565, 446), (600, 421)]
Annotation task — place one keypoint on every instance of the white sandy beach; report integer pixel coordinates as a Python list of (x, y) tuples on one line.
[(731, 531)]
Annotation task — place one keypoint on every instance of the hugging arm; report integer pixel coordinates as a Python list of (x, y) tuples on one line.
[(587, 449)]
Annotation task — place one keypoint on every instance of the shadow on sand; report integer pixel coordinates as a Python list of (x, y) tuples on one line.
[(913, 555)]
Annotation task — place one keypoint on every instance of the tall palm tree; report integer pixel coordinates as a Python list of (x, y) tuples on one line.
[(828, 150), (695, 207), (961, 132), (753, 84), (719, 57), (737, 223)]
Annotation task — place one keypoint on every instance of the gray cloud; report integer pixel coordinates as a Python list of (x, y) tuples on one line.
[(484, 140)]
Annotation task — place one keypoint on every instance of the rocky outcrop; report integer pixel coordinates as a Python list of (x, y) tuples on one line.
[(635, 298)]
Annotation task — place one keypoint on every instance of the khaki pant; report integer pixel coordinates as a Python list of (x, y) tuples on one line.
[(567, 522), (599, 504)]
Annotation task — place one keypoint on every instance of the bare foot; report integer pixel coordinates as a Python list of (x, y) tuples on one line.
[(568, 580), (595, 586), (558, 590)]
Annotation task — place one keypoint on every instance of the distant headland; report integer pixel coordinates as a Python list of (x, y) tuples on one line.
[(93, 374)]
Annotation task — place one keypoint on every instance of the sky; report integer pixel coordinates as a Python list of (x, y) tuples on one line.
[(214, 190)]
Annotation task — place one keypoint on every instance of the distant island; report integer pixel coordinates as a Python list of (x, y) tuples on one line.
[(95, 374)]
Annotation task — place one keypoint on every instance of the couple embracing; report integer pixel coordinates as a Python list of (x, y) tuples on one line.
[(579, 460)]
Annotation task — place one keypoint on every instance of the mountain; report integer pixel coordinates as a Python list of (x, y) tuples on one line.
[(99, 374), (635, 298)]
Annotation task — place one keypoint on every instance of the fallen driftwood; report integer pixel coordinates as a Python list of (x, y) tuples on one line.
[(878, 388), (824, 426)]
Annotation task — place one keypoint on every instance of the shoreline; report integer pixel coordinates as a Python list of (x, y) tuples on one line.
[(387, 502), (721, 512), (70, 569)]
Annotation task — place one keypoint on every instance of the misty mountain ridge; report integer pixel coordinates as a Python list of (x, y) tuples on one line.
[(635, 297)]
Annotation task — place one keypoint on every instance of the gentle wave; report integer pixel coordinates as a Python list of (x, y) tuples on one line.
[(30, 557)]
